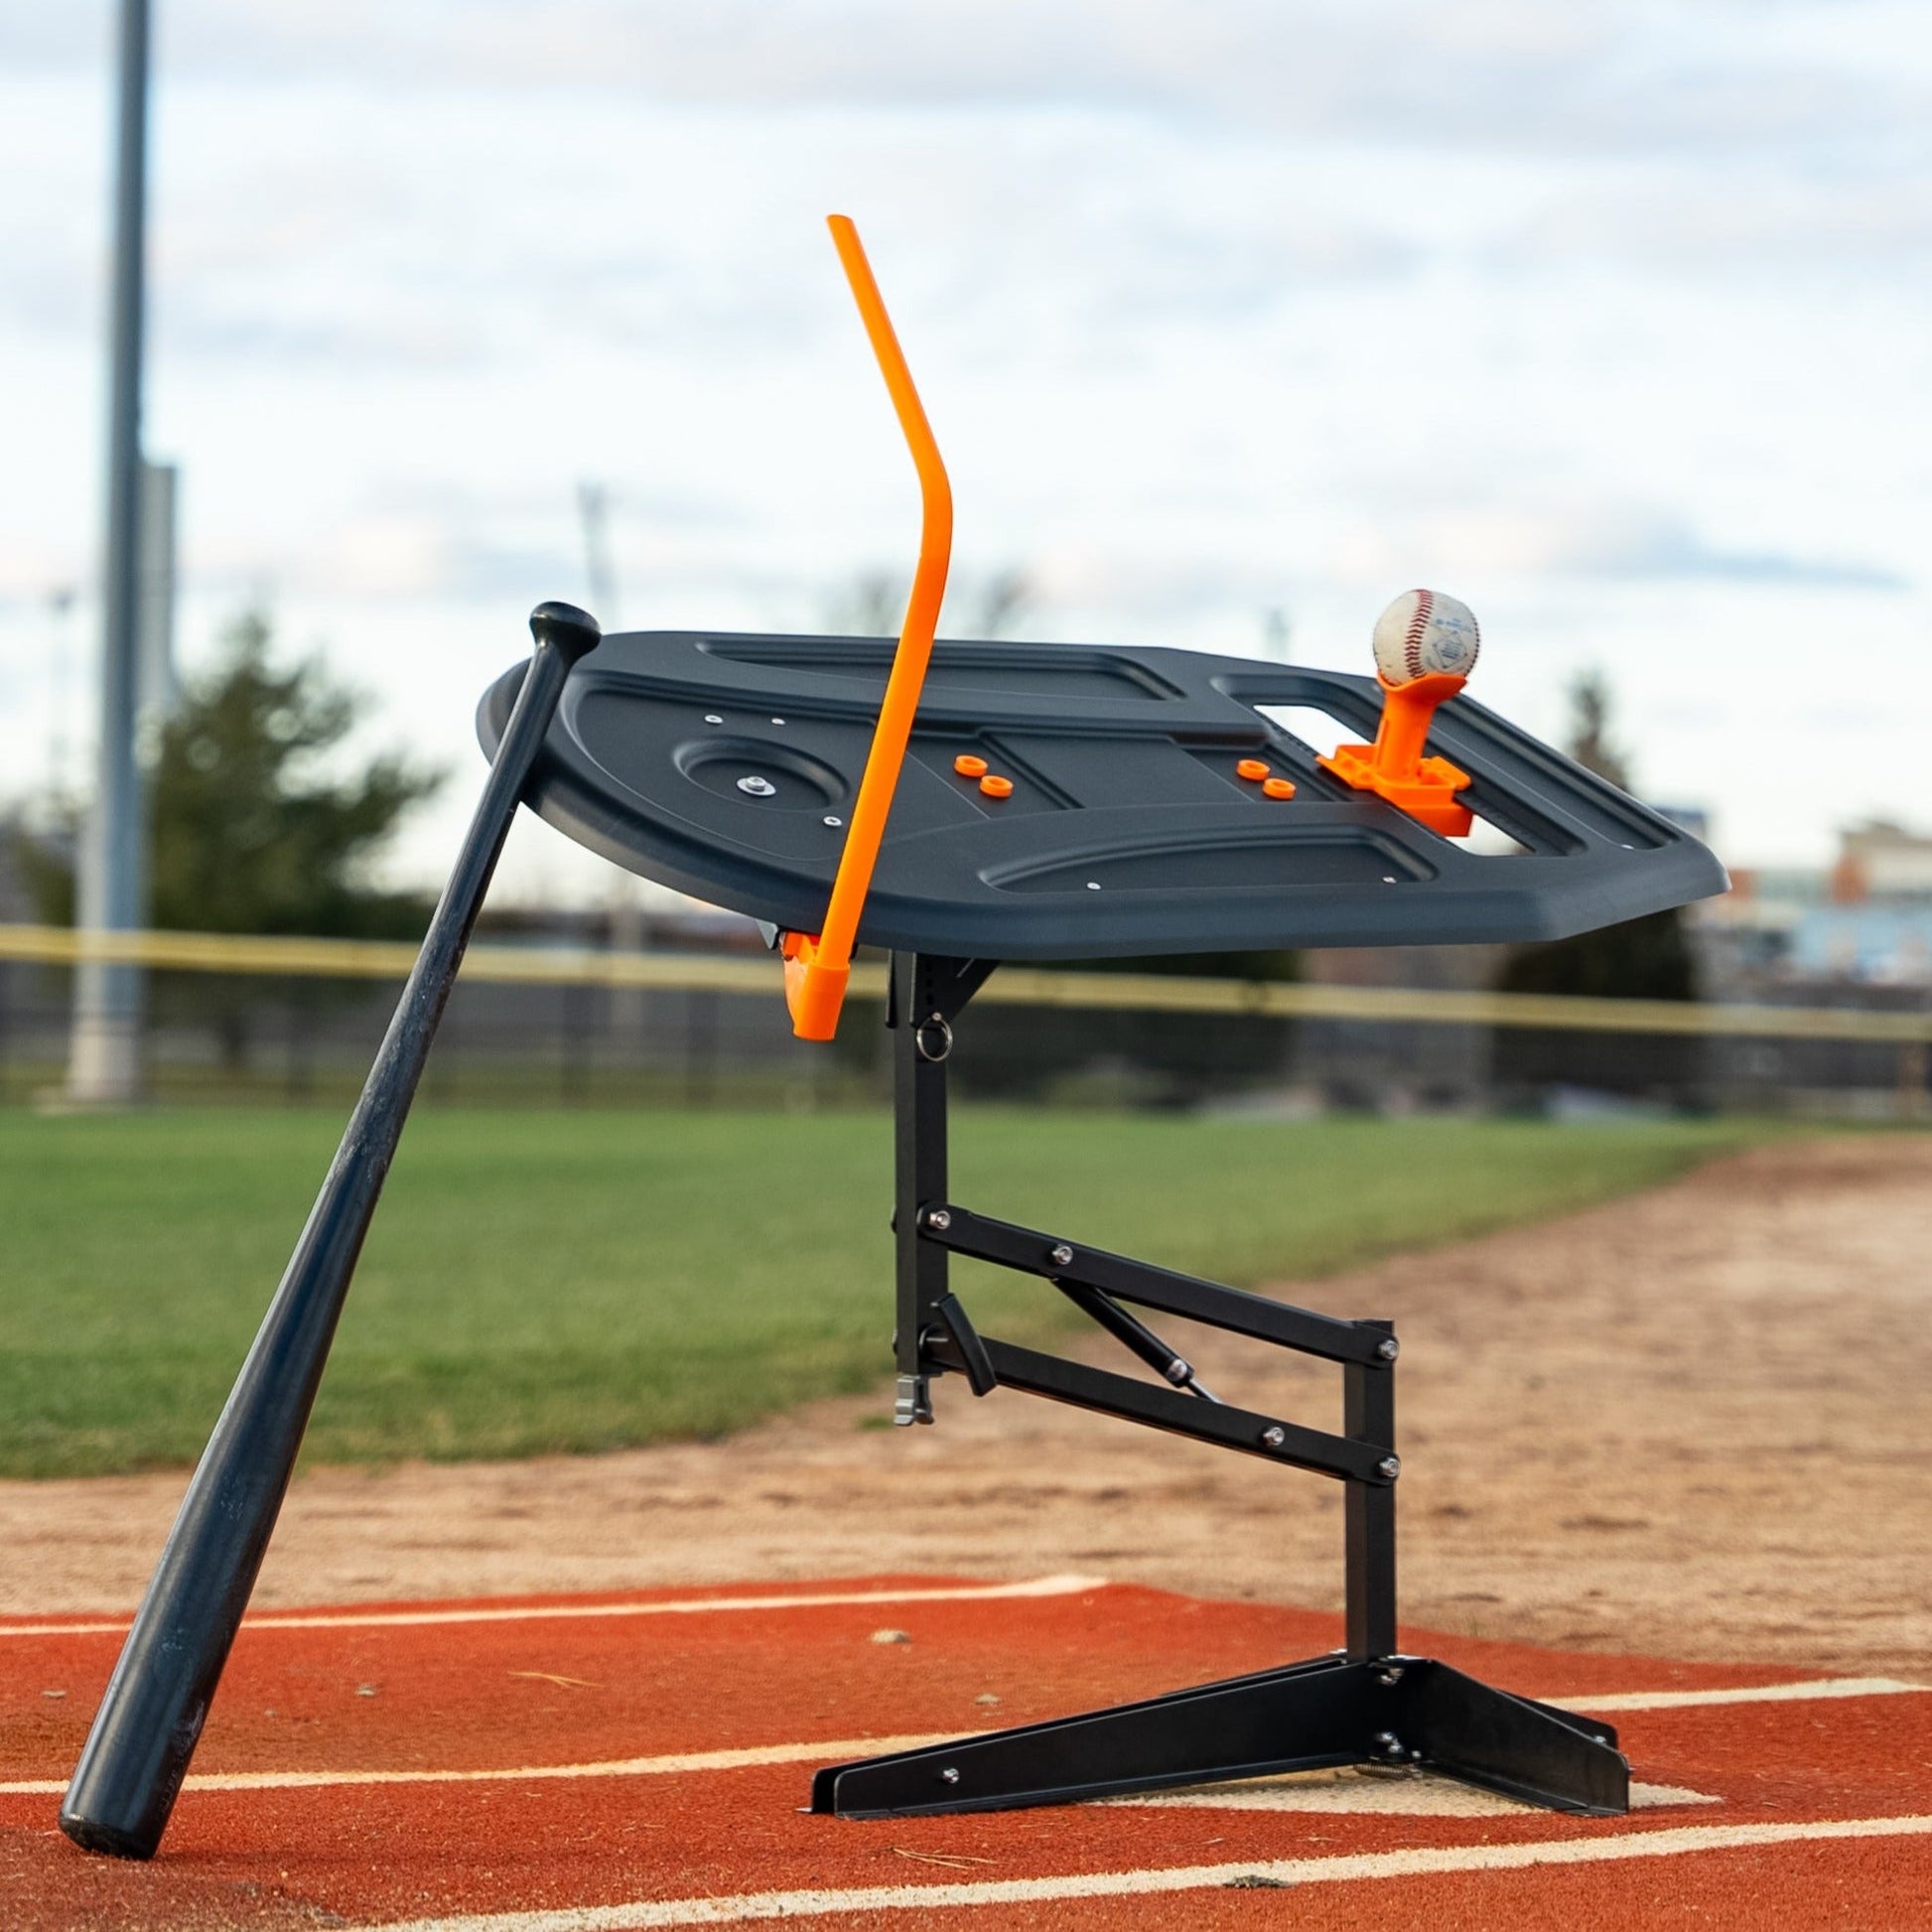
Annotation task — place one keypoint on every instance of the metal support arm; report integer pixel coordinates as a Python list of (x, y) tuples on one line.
[(1307, 1333), (1082, 1387)]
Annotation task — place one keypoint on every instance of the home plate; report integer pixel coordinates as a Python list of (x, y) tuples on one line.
[(1414, 1794)]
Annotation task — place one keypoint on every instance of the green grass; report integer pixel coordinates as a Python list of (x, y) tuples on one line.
[(577, 1281)]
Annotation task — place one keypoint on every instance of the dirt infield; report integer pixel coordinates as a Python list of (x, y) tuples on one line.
[(636, 1760), (1697, 1423)]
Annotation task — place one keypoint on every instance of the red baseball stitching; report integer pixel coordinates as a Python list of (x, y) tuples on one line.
[(1412, 643)]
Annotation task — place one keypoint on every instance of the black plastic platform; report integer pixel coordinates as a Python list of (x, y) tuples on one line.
[(1128, 831)]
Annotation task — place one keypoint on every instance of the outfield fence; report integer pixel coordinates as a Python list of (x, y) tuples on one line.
[(297, 1014)]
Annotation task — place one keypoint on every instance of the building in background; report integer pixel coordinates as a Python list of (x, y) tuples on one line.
[(1864, 922)]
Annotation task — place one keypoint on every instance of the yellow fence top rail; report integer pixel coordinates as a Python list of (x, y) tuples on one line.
[(221, 952)]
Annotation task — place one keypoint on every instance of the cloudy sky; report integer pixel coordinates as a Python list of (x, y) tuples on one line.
[(1609, 319)]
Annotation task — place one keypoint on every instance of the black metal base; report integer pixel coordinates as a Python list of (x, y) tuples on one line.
[(1396, 1710), (1365, 1704)]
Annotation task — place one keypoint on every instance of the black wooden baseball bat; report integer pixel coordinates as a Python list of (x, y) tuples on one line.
[(150, 1720)]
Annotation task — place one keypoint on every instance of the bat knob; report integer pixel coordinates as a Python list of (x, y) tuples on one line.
[(571, 632)]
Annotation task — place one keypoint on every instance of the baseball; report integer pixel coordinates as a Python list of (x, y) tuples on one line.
[(1424, 633)]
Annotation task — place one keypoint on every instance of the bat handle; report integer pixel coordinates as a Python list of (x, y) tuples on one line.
[(150, 1717)]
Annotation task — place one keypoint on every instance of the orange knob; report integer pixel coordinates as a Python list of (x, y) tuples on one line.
[(1278, 788), (969, 766), (1251, 768), (995, 787)]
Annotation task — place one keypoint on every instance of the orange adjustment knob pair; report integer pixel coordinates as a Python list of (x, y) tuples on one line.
[(1425, 644), (969, 766), (1255, 770)]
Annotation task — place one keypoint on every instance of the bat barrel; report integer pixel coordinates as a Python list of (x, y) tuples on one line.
[(150, 1718)]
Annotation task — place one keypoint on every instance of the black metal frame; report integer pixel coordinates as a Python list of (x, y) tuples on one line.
[(1366, 1703)]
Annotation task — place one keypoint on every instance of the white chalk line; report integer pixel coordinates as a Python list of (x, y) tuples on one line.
[(829, 1751), (1418, 1862), (1801, 1692), (833, 1750), (1036, 1587)]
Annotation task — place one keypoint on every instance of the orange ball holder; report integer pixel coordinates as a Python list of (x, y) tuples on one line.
[(1394, 768)]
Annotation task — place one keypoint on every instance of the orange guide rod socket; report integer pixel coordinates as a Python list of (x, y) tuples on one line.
[(818, 966)]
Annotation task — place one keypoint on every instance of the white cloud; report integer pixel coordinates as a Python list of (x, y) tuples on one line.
[(1763, 223), (1599, 75), (1604, 317)]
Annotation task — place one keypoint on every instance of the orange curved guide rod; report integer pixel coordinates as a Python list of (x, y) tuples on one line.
[(818, 965)]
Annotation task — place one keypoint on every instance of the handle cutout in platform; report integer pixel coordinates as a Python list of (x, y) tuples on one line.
[(818, 965)]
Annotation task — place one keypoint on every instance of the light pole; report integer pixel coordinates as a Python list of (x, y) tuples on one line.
[(104, 1065), (594, 507)]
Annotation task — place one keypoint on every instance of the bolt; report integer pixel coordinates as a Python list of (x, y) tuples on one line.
[(1390, 1467), (758, 788), (712, 717), (950, 1775), (1274, 1436), (1391, 1675), (1060, 1255), (1388, 1348), (1388, 1743), (938, 1220), (832, 818)]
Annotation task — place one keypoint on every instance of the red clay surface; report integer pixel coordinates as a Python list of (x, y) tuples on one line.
[(446, 1695)]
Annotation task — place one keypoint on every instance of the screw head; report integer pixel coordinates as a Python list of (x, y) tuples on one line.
[(832, 818), (1390, 1467), (1388, 1348), (939, 1219), (950, 1775), (712, 717), (758, 788), (1273, 1437), (1060, 1255), (1387, 1740)]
